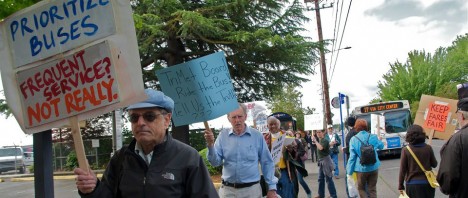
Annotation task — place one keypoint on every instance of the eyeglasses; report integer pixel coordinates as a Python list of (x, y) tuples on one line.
[(148, 116)]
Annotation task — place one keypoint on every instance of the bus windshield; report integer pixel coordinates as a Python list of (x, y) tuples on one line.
[(395, 121)]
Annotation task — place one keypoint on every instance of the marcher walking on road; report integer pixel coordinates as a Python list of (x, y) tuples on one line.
[(453, 172), (411, 174), (366, 174), (326, 166), (239, 150), (154, 164)]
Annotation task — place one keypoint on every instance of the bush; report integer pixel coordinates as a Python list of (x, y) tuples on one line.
[(72, 161), (31, 169), (211, 169)]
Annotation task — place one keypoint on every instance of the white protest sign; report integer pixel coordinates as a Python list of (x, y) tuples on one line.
[(53, 27), (377, 124), (201, 89), (277, 148), (313, 121), (96, 54)]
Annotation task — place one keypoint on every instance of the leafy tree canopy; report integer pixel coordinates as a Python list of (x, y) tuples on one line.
[(289, 100), (261, 40), (424, 73)]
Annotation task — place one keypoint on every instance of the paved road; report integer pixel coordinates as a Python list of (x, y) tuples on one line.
[(386, 185)]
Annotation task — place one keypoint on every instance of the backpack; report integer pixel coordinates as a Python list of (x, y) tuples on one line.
[(367, 153)]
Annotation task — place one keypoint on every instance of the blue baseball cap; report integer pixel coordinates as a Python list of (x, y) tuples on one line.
[(155, 99)]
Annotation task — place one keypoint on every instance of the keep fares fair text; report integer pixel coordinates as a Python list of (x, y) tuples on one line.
[(80, 82)]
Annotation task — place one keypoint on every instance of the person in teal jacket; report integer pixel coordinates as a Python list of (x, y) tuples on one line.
[(366, 174)]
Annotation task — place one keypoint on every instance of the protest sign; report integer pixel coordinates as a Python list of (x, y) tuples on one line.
[(63, 59), (276, 148), (62, 88), (377, 124), (313, 122), (447, 118), (201, 89), (436, 117), (53, 27)]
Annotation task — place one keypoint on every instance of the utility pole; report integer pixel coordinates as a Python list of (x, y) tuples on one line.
[(322, 64)]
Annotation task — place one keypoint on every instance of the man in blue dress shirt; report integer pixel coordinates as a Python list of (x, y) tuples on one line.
[(240, 149)]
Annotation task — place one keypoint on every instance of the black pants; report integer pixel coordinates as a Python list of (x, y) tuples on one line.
[(420, 190), (313, 153)]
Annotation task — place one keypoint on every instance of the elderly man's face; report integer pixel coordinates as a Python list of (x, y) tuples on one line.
[(149, 124), (273, 126), (237, 119)]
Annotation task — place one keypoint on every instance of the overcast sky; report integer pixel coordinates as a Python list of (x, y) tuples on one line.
[(379, 31)]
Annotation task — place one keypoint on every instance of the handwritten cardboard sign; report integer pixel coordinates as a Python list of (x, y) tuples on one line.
[(313, 122), (201, 89), (277, 148), (56, 27), (423, 112), (90, 71), (65, 87), (437, 116)]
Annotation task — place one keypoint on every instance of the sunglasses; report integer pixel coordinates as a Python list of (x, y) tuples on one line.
[(147, 116)]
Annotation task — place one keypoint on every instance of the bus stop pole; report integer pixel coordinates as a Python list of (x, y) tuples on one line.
[(43, 170), (343, 139)]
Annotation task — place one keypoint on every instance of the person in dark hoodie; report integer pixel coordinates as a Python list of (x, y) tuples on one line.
[(453, 175), (154, 164)]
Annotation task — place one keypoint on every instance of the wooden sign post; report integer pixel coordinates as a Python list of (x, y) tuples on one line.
[(78, 141)]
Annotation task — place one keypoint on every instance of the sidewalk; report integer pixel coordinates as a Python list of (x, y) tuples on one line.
[(312, 180)]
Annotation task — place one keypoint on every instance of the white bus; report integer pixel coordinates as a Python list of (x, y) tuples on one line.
[(397, 120)]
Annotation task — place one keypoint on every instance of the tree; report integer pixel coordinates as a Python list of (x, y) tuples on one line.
[(289, 100), (8, 7), (428, 74), (261, 40)]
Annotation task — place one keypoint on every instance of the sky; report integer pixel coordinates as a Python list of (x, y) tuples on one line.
[(379, 32)]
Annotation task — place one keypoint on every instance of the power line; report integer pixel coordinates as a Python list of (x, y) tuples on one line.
[(341, 40), (336, 38)]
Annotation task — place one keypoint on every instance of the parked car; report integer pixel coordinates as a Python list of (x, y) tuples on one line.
[(12, 158)]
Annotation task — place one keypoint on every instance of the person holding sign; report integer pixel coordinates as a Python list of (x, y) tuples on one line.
[(154, 164), (288, 184), (325, 164), (453, 172), (240, 149)]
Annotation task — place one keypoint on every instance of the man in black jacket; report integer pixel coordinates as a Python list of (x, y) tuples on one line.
[(154, 164), (453, 175)]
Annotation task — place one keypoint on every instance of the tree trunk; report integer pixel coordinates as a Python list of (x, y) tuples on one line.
[(174, 57)]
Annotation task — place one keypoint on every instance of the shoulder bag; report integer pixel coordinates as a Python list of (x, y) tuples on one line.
[(430, 175)]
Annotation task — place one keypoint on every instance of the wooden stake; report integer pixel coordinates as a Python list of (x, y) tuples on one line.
[(78, 141), (207, 127), (431, 135)]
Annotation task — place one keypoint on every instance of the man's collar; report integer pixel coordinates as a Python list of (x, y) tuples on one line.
[(246, 130)]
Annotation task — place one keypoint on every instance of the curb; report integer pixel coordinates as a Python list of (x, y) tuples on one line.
[(57, 177)]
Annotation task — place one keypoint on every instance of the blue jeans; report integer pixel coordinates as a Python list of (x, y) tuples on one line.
[(303, 183), (285, 188), (334, 157), (331, 185)]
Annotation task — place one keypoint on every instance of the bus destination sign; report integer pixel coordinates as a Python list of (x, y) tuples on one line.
[(381, 107)]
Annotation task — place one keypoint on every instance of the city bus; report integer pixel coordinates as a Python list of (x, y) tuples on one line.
[(397, 116)]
